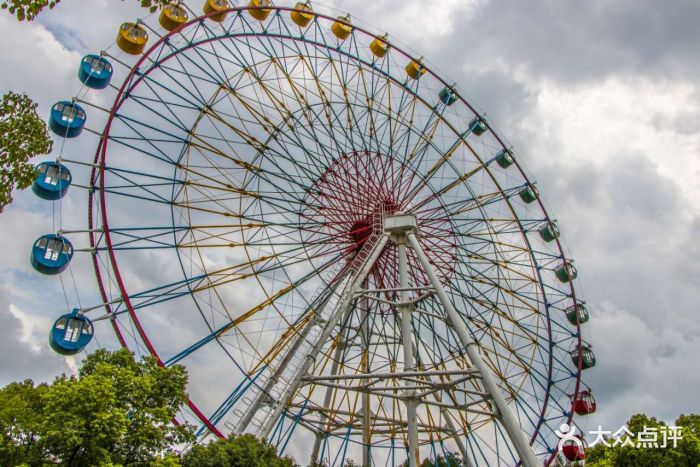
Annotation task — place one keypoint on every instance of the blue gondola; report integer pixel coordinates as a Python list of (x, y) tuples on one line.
[(71, 333), (52, 180), (95, 72), (67, 119), (51, 254)]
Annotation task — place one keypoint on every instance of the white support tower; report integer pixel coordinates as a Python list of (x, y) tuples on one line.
[(420, 386)]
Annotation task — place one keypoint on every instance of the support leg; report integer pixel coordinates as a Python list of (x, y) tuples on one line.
[(337, 355), (405, 309), (366, 410), (510, 422)]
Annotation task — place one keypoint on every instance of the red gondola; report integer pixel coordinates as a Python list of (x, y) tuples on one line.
[(574, 451), (584, 403)]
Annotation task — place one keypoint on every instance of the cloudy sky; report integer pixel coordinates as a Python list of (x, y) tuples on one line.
[(600, 99)]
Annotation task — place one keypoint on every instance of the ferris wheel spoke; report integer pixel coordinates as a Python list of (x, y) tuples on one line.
[(192, 100), (221, 331), (337, 133), (283, 154)]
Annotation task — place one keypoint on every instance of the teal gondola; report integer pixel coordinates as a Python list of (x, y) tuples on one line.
[(566, 271), (67, 119), (51, 254), (478, 126), (52, 180), (71, 333), (95, 72), (585, 356), (448, 96)]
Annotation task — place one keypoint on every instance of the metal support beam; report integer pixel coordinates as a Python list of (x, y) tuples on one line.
[(337, 355), (263, 395), (506, 416), (366, 409), (326, 402), (409, 365)]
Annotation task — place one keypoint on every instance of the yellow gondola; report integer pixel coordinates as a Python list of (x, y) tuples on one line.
[(341, 30), (415, 69), (216, 6), (302, 14), (172, 16), (132, 38), (379, 46), (260, 13)]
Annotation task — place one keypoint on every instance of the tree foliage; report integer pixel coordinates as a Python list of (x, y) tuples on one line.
[(116, 411), (23, 135), (27, 9), (685, 454), (30, 9), (235, 451)]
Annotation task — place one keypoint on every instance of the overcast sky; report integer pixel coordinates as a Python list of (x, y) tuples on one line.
[(600, 99)]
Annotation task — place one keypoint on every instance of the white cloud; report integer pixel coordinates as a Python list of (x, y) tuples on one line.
[(597, 124)]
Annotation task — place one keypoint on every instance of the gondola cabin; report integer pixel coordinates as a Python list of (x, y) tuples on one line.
[(585, 355), (218, 8), (581, 310), (51, 254), (379, 46), (95, 72), (415, 69), (448, 96), (478, 126), (505, 158), (529, 193), (262, 12), (340, 29), (67, 119), (549, 231), (574, 450), (71, 333), (132, 38), (584, 403), (302, 14), (172, 16), (566, 272), (52, 180)]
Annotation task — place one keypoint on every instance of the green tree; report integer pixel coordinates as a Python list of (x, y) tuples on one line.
[(116, 411), (235, 451), (23, 135), (30, 9), (20, 423)]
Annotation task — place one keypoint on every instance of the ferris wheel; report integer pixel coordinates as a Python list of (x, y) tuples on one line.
[(339, 248)]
